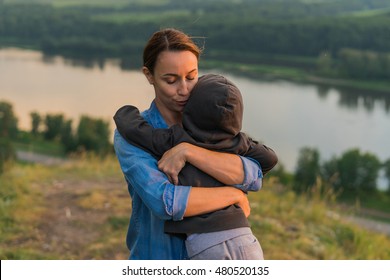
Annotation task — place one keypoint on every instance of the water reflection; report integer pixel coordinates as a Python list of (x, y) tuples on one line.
[(87, 63), (322, 91), (348, 98), (129, 63), (354, 99)]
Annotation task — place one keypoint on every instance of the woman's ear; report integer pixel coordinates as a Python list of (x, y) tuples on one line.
[(148, 75)]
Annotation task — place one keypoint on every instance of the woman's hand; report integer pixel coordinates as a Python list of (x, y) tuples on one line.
[(244, 205), (173, 161)]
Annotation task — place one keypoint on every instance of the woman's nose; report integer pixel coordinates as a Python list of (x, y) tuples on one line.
[(183, 88)]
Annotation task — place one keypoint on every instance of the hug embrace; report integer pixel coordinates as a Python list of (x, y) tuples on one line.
[(187, 164)]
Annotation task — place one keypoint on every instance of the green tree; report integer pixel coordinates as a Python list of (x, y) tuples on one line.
[(36, 120), (8, 121), (54, 124), (93, 135), (7, 152), (284, 177), (330, 172), (8, 132), (358, 171), (352, 63), (325, 64), (67, 137), (308, 169), (386, 166)]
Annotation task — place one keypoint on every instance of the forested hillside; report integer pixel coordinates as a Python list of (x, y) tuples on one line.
[(333, 38)]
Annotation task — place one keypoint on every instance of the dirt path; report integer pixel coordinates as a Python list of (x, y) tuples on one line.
[(369, 224), (38, 158), (75, 223), (77, 214), (368, 218)]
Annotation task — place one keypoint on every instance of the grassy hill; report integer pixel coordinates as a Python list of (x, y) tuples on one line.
[(80, 210)]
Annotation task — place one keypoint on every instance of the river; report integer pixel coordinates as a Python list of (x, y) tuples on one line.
[(284, 115)]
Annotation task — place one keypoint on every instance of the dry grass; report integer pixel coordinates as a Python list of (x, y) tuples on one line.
[(311, 226), (79, 210)]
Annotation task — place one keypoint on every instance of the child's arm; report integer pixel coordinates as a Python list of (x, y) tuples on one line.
[(137, 131), (230, 170), (264, 155)]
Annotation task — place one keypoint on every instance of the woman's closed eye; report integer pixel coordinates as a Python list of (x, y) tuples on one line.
[(170, 81)]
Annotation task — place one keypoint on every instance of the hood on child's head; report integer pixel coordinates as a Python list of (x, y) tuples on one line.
[(214, 110)]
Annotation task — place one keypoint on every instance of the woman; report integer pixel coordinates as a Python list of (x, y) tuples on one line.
[(212, 119), (171, 66)]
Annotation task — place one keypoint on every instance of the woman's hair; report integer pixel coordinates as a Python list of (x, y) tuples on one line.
[(168, 39)]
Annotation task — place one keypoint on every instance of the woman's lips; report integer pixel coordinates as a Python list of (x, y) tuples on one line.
[(181, 103)]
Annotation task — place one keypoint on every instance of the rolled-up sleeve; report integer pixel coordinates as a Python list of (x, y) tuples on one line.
[(253, 175), (152, 186), (175, 199)]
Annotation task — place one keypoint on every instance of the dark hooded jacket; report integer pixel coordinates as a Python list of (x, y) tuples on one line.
[(212, 119)]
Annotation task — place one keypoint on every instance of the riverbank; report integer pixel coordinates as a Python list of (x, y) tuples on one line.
[(297, 75), (302, 73)]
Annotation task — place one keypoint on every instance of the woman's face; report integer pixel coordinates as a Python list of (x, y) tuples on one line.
[(175, 74)]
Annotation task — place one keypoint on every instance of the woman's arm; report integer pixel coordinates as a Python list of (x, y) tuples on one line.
[(205, 200), (143, 177), (227, 168), (166, 200)]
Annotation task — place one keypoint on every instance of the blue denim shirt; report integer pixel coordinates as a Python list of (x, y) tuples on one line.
[(155, 199)]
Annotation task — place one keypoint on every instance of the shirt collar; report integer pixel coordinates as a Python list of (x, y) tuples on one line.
[(154, 117)]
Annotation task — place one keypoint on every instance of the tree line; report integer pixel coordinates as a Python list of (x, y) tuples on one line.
[(353, 171), (91, 134), (355, 64), (248, 27)]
